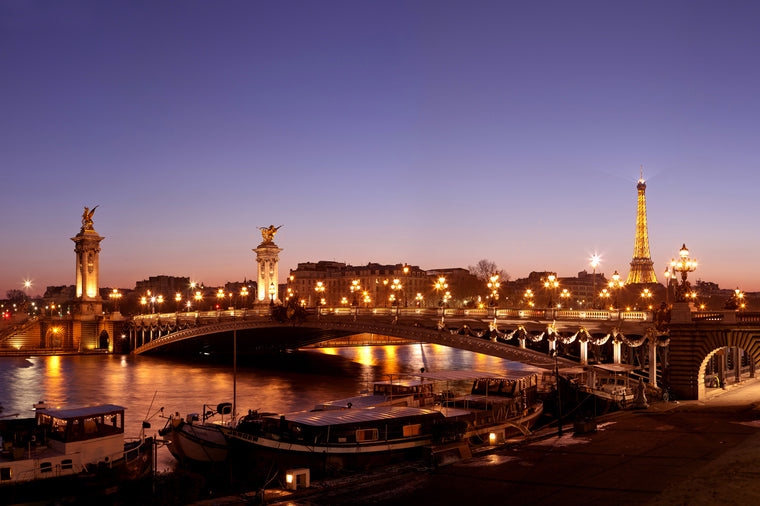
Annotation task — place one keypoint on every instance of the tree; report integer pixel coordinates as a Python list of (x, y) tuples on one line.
[(16, 296), (484, 269)]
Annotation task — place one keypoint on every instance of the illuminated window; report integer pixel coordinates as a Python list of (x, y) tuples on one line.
[(412, 430), (364, 435)]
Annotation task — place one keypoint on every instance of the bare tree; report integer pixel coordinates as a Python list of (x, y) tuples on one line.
[(484, 269)]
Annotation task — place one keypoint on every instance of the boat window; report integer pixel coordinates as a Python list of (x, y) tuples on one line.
[(46, 467), (5, 473), (363, 435), (412, 430), (66, 464)]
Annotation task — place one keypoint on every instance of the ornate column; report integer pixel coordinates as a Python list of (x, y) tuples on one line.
[(267, 257), (87, 248)]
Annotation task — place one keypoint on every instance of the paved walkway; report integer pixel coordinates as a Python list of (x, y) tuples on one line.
[(687, 453)]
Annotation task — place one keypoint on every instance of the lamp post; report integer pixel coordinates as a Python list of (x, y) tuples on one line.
[(219, 298), (684, 265), (320, 289), (244, 295), (595, 261), (551, 284), (420, 300), (615, 285), (605, 296), (646, 297), (355, 289), (565, 295), (440, 285), (493, 285), (668, 274), (143, 303), (115, 295), (396, 287), (198, 298), (160, 300), (529, 297), (555, 354), (178, 299)]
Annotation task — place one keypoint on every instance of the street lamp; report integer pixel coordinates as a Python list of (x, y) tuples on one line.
[(178, 299), (219, 297), (615, 285), (320, 289), (555, 354), (396, 286), (565, 295), (529, 296), (420, 299), (244, 294), (605, 296), (198, 298), (446, 298), (367, 299), (115, 295), (440, 285), (354, 289), (551, 284), (646, 296), (493, 285), (684, 265), (143, 302), (160, 300), (272, 292), (595, 261)]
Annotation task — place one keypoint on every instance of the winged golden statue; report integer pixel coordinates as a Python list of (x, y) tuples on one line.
[(268, 232), (87, 218)]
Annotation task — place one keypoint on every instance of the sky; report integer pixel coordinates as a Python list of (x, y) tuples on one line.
[(435, 133)]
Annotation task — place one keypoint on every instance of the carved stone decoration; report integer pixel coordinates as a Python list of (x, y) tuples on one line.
[(87, 218), (267, 233)]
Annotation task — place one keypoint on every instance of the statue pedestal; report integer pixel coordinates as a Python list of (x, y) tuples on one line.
[(267, 257), (681, 312)]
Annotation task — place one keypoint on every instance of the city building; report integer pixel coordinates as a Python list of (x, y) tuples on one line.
[(336, 283)]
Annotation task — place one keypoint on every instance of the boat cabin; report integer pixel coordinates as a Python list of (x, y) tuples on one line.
[(394, 392), (63, 441), (352, 426)]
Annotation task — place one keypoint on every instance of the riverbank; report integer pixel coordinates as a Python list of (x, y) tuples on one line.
[(672, 453)]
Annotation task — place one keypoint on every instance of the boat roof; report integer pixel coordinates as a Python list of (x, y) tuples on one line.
[(615, 367), (473, 375), (82, 412), (361, 401), (348, 416), (406, 382)]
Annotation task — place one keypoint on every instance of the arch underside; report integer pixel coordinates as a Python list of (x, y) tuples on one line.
[(262, 336), (692, 348)]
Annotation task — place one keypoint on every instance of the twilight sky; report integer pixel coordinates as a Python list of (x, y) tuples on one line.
[(435, 133)]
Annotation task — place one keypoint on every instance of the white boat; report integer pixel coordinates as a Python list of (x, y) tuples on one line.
[(84, 442), (196, 439)]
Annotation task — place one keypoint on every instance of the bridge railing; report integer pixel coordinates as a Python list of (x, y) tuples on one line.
[(510, 314)]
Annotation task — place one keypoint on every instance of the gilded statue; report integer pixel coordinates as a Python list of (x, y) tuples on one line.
[(87, 218), (268, 232)]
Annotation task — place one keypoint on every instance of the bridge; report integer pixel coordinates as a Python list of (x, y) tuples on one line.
[(487, 331), (681, 352)]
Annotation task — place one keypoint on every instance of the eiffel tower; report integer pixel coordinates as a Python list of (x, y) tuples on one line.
[(642, 270)]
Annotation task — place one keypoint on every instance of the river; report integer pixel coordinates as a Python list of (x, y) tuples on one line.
[(279, 382)]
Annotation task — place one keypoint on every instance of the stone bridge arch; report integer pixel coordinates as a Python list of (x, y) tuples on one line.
[(691, 348)]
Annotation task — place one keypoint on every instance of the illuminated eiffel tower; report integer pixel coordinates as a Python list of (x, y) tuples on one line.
[(642, 270)]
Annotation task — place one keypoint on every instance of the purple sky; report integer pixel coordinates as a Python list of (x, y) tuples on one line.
[(435, 133)]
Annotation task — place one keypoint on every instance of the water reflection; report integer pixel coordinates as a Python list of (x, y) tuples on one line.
[(279, 383)]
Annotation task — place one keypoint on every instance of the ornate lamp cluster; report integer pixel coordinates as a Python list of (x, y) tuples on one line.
[(684, 265)]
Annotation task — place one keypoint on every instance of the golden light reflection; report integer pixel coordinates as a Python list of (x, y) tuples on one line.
[(364, 355)]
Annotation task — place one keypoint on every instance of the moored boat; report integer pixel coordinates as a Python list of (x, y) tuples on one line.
[(196, 439), (354, 433), (70, 446)]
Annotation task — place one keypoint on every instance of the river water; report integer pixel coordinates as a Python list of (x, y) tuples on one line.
[(278, 383)]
